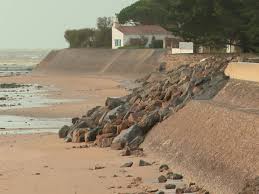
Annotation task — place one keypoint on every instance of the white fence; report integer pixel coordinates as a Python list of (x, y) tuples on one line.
[(184, 47)]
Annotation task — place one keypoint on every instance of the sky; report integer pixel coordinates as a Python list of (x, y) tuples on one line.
[(40, 24)]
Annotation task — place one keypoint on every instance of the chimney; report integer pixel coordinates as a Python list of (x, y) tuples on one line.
[(116, 23)]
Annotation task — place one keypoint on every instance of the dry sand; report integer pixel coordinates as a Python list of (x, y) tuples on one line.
[(42, 164)]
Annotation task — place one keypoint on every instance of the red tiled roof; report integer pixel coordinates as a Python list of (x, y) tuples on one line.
[(143, 30)]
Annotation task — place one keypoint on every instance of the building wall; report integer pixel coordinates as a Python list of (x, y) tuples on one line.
[(116, 34), (149, 37)]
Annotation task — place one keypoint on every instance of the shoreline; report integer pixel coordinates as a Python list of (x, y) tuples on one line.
[(83, 91)]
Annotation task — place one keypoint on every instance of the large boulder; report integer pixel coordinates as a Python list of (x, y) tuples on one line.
[(97, 114), (104, 140), (126, 136), (63, 132), (124, 125), (91, 135), (116, 113), (112, 103), (78, 136), (135, 143), (149, 121), (92, 111), (109, 128), (85, 122)]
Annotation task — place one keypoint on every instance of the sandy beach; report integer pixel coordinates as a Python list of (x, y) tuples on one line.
[(43, 164)]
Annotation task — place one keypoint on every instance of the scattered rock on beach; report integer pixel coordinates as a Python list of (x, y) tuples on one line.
[(127, 165), (163, 167), (170, 175), (144, 163), (177, 176), (162, 179), (98, 167), (126, 152), (179, 191), (160, 192), (170, 186)]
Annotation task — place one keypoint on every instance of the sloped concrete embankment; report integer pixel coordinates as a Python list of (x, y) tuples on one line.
[(131, 61), (214, 142), (243, 71)]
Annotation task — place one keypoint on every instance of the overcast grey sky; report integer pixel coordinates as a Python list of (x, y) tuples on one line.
[(41, 23)]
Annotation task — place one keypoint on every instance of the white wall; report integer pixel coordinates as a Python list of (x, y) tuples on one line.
[(116, 34), (149, 37), (184, 47)]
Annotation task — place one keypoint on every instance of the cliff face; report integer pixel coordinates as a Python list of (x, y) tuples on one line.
[(122, 61)]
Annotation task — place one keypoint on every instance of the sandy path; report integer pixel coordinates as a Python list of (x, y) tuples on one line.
[(88, 89), (64, 170)]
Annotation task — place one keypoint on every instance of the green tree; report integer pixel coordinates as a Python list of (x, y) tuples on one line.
[(146, 12), (91, 37), (213, 23)]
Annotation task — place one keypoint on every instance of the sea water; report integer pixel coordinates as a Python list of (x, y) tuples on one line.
[(16, 63)]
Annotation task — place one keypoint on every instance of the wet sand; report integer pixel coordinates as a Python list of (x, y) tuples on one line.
[(84, 91)]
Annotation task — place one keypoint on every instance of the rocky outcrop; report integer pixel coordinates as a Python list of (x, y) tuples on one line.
[(125, 121)]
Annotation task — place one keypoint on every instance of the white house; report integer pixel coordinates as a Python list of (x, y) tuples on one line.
[(123, 35)]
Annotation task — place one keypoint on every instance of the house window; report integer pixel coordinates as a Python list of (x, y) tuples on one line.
[(118, 42)]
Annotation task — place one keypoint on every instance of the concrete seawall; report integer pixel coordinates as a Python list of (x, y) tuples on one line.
[(124, 61), (213, 142), (243, 71)]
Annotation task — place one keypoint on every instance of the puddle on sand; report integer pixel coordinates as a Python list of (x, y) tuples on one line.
[(28, 125), (28, 96)]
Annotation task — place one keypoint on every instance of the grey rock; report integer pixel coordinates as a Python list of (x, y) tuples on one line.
[(162, 179), (170, 175), (91, 136), (92, 111), (160, 192), (63, 132), (144, 163), (74, 120), (135, 143), (85, 122), (112, 103), (170, 186), (126, 136), (127, 165), (68, 139), (163, 167), (149, 121), (118, 112), (177, 176)]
